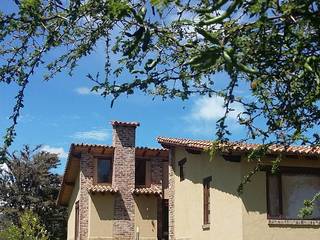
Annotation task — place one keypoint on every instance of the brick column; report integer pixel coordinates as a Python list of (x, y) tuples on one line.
[(124, 178), (171, 192), (86, 180)]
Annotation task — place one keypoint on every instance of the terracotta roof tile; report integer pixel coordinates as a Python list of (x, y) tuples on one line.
[(237, 146), (125, 124), (111, 147), (103, 189), (146, 190)]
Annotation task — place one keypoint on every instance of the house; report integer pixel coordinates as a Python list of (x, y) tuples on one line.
[(180, 192), (118, 191), (203, 198)]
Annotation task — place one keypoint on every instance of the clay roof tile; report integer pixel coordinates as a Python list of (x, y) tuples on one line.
[(237, 146)]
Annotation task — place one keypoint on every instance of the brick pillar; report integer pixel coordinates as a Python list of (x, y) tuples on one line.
[(171, 193), (86, 180), (124, 178)]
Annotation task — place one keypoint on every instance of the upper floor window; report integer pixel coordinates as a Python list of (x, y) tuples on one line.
[(140, 172), (104, 170), (287, 191), (181, 168)]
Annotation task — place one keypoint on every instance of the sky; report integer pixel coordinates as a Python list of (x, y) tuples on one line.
[(64, 111)]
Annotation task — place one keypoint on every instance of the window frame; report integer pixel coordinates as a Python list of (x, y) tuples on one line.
[(109, 182), (181, 164), (206, 202), (147, 174), (286, 170)]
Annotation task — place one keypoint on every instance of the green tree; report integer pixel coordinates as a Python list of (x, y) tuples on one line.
[(28, 228), (173, 49), (29, 184)]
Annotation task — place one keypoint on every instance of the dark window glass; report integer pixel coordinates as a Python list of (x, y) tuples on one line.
[(104, 171), (77, 215), (181, 168), (140, 173), (206, 200), (165, 219)]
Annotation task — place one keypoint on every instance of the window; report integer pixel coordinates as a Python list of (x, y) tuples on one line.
[(140, 172), (288, 190), (77, 223), (181, 165), (104, 170), (206, 200)]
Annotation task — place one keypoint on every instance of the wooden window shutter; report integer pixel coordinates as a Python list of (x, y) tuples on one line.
[(181, 168), (77, 221), (206, 200)]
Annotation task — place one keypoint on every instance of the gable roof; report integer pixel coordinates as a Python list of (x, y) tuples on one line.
[(202, 145)]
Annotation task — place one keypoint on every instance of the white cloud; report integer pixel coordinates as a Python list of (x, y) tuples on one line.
[(206, 111), (57, 150), (209, 109), (86, 91), (99, 135)]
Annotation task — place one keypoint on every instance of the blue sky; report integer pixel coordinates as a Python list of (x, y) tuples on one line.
[(63, 111)]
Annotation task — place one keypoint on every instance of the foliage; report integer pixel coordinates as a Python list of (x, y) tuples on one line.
[(173, 49), (309, 206), (29, 184), (29, 228)]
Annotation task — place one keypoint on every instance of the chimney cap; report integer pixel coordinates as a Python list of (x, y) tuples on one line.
[(125, 124)]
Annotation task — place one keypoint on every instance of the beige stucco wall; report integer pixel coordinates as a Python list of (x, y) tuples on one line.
[(146, 217), (225, 205), (101, 216), (232, 217), (71, 210)]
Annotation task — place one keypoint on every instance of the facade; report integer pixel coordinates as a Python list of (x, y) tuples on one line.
[(180, 192), (118, 191), (204, 202)]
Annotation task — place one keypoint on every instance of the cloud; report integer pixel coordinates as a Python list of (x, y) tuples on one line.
[(98, 135), (86, 91), (212, 109), (57, 150), (204, 113)]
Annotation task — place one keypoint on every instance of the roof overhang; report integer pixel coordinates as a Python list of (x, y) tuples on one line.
[(73, 167), (239, 147)]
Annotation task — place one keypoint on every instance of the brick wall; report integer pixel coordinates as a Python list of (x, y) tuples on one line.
[(86, 180), (123, 179), (156, 172), (171, 193)]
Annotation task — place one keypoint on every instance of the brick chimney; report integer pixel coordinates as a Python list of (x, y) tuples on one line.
[(123, 141)]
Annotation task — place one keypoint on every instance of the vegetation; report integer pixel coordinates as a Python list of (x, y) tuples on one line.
[(30, 185), (29, 228), (173, 49)]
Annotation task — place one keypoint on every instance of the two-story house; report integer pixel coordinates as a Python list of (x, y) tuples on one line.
[(118, 191), (204, 203), (180, 192)]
